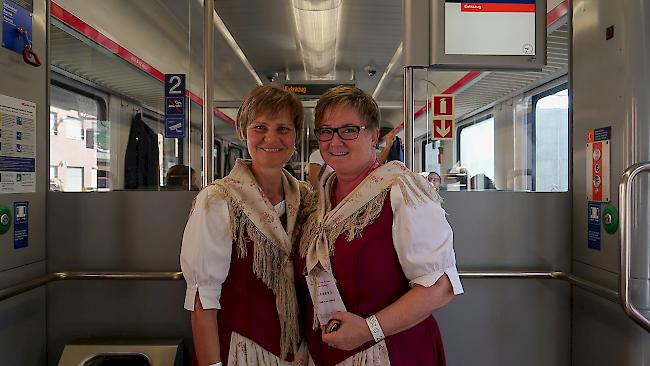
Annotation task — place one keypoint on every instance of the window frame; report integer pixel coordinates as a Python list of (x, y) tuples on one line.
[(532, 118)]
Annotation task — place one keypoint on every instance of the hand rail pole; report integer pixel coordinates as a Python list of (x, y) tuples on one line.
[(625, 206)]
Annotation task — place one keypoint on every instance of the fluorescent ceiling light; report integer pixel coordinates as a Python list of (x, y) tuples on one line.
[(317, 23), (389, 70)]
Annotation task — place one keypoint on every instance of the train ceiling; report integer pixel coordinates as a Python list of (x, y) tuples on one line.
[(167, 35)]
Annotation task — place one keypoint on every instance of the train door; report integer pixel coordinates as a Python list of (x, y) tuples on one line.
[(611, 130)]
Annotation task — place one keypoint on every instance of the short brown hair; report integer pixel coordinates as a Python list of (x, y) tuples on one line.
[(351, 96), (270, 100)]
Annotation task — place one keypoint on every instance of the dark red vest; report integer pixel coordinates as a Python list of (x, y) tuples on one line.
[(247, 307), (370, 278)]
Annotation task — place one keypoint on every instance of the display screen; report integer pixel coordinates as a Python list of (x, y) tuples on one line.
[(490, 27)]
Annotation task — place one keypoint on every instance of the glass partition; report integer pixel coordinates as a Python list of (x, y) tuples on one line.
[(108, 102), (509, 133)]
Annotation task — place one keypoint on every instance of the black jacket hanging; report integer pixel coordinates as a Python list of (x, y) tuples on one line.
[(141, 160)]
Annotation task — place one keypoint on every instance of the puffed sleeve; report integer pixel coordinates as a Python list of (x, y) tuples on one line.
[(423, 241), (206, 250)]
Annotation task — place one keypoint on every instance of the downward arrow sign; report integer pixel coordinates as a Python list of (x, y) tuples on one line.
[(442, 131)]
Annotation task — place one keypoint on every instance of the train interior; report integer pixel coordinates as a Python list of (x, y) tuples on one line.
[(94, 267)]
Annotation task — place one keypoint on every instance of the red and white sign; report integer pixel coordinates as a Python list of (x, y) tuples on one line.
[(443, 128), (598, 150), (443, 105)]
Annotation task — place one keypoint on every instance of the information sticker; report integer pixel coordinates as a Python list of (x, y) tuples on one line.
[(17, 145), (21, 221)]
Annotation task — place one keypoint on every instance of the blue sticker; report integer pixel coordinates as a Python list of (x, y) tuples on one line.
[(593, 225), (175, 127), (21, 220), (175, 106), (13, 18), (602, 134)]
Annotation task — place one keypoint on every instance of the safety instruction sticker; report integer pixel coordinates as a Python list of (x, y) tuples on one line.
[(593, 225), (17, 145), (598, 152), (21, 221), (14, 17)]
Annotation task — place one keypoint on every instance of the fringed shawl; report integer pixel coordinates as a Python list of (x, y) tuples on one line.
[(253, 217), (357, 210)]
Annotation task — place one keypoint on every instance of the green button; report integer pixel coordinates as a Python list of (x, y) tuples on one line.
[(610, 218), (5, 219)]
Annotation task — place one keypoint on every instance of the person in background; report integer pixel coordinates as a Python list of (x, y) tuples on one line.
[(379, 234), (317, 168), (237, 251), (181, 177), (393, 148), (435, 179)]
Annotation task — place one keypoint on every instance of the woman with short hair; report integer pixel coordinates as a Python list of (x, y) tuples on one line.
[(377, 249), (238, 245)]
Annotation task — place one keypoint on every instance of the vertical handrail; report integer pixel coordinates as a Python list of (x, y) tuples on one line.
[(409, 118), (208, 85), (625, 205)]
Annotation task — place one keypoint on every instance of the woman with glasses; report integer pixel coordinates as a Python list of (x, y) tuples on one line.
[(376, 249), (238, 245)]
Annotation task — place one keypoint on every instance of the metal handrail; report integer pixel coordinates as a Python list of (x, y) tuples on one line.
[(166, 276), (58, 276), (625, 206)]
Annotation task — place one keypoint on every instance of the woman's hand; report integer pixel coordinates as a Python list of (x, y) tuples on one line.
[(352, 333)]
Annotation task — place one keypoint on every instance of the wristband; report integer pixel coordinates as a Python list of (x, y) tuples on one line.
[(216, 364), (375, 328)]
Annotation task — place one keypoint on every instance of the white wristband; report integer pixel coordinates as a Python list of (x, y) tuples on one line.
[(216, 364), (375, 328)]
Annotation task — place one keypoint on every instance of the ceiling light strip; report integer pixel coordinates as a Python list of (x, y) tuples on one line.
[(388, 71)]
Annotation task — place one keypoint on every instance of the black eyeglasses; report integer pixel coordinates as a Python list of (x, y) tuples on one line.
[(345, 133)]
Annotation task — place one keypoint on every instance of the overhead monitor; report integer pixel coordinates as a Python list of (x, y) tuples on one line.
[(488, 34)]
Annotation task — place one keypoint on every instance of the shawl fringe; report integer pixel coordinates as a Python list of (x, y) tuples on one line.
[(271, 265)]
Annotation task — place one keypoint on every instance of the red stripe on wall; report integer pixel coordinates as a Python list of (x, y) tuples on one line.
[(82, 27), (496, 8), (557, 12)]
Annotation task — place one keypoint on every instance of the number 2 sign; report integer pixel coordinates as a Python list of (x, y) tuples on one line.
[(175, 106)]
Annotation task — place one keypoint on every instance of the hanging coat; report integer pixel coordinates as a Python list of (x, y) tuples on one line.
[(141, 160)]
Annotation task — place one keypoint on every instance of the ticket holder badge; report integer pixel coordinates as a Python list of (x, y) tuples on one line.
[(327, 294)]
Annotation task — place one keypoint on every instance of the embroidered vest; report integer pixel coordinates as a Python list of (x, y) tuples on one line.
[(248, 306), (370, 278)]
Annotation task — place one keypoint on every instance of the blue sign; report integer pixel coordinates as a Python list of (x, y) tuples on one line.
[(21, 220), (13, 18), (602, 134), (175, 106), (593, 225)]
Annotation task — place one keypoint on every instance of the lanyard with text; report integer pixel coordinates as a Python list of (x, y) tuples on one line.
[(325, 295)]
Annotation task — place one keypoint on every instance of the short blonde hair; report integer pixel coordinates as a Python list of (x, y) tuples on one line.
[(351, 96), (270, 100)]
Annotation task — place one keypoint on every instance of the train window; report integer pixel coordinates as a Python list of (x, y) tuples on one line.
[(476, 151), (54, 130), (78, 143), (552, 140), (430, 157)]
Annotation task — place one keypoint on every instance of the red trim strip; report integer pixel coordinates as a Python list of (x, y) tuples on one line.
[(557, 12), (90, 32), (496, 8)]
